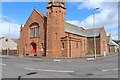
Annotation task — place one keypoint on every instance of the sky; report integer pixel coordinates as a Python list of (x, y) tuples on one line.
[(79, 13)]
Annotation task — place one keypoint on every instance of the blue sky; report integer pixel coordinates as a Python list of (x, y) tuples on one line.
[(20, 11), (78, 13)]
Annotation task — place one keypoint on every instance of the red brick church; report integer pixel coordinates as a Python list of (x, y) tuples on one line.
[(50, 36)]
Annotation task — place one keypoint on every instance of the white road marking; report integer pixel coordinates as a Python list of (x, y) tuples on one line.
[(50, 70), (109, 70), (90, 59), (3, 64), (57, 60)]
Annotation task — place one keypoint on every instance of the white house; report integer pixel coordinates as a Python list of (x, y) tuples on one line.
[(8, 46), (113, 46)]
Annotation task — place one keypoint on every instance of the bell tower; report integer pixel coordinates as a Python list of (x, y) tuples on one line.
[(55, 27)]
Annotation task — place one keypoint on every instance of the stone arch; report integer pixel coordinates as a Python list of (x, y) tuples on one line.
[(34, 23)]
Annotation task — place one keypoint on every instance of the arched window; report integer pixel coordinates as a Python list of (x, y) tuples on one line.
[(34, 30)]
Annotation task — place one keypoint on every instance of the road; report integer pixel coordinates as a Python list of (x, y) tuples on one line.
[(102, 67)]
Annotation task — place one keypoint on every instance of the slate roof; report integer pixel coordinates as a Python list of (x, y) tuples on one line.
[(70, 28), (15, 40), (92, 32), (117, 41), (1, 37), (113, 43)]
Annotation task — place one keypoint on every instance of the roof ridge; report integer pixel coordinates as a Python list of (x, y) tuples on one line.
[(74, 25), (91, 29), (14, 38), (42, 14), (38, 12)]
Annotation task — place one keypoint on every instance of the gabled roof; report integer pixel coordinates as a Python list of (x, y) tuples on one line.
[(44, 15), (70, 28), (117, 41), (67, 24), (112, 43), (7, 42), (15, 40), (91, 32), (1, 37)]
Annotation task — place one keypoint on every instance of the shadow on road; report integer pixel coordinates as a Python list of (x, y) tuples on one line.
[(32, 73)]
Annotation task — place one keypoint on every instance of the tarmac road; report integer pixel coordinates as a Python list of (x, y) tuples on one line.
[(102, 67)]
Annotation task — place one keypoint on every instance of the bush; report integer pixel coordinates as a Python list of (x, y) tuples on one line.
[(91, 52)]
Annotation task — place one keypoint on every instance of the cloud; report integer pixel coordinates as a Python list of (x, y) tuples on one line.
[(8, 28), (14, 29), (107, 16)]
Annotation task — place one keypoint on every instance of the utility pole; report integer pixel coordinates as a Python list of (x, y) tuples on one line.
[(94, 31), (8, 20)]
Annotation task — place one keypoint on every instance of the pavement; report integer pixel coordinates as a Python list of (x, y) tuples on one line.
[(101, 67), (98, 55)]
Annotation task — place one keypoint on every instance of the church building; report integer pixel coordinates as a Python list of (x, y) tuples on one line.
[(48, 35)]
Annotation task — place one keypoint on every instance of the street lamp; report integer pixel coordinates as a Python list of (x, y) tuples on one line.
[(94, 31), (8, 34), (9, 25)]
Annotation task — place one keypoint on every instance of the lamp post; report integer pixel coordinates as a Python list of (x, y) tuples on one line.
[(9, 26), (8, 34), (94, 31)]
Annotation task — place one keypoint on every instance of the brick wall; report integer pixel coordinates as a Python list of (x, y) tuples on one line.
[(25, 40), (103, 41), (75, 45), (91, 44)]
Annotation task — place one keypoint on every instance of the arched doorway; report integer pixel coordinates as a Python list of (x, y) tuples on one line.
[(34, 48)]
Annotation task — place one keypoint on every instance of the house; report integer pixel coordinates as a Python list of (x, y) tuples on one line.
[(8, 46), (49, 35), (113, 46), (117, 41)]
